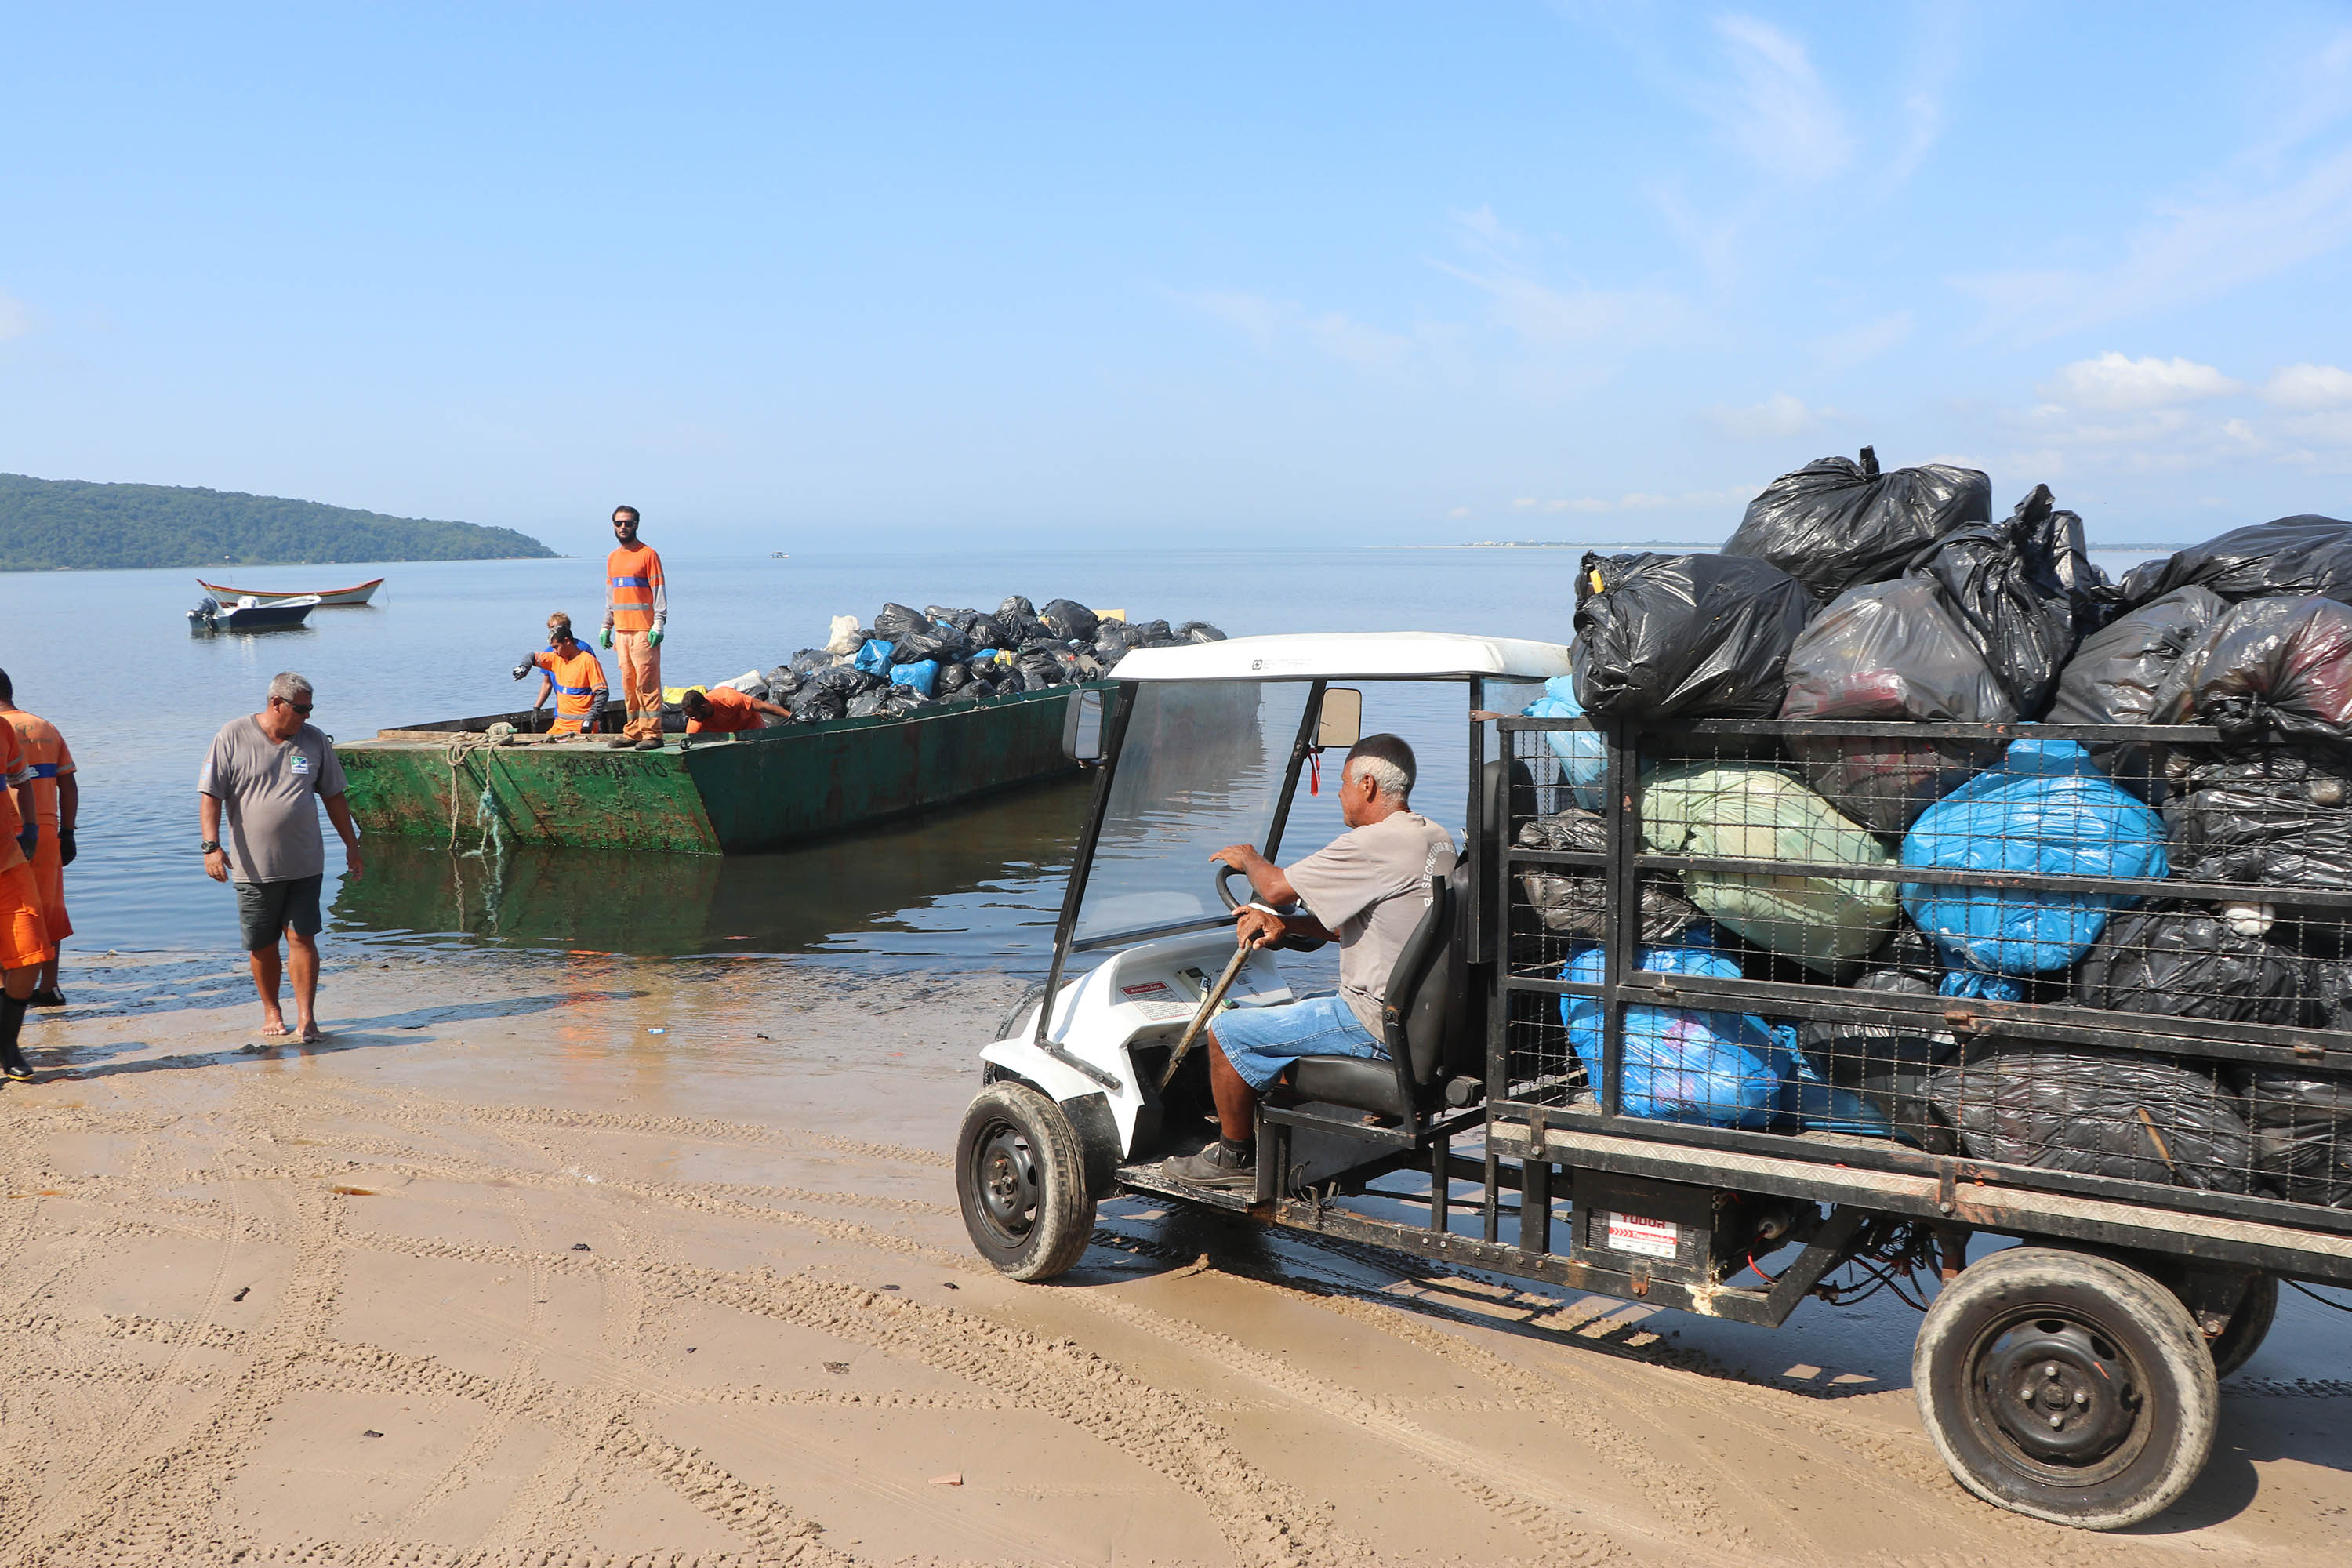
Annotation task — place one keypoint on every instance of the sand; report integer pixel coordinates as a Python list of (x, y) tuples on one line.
[(577, 1260)]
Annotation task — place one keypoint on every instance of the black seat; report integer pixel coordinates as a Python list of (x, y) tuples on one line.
[(1424, 1020)]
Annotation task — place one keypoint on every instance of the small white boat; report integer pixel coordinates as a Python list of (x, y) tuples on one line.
[(249, 615), (355, 596)]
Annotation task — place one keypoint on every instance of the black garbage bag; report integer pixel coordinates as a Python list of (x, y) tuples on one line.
[(1200, 631), (2118, 672), (1835, 524), (2274, 816), (1069, 620), (904, 700), (896, 620), (1113, 638), (2105, 1113), (810, 659), (979, 688), (784, 678), (1040, 669), (951, 678), (848, 679), (1575, 903), (2182, 961), (867, 704), (987, 631), (818, 707), (2302, 1135), (2268, 667), (1699, 636), (2003, 582), (2305, 554), (1891, 650), (932, 641), (945, 615), (1888, 1062), (1015, 607), (1009, 680)]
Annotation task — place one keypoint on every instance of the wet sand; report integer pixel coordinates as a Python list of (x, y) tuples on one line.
[(501, 1275)]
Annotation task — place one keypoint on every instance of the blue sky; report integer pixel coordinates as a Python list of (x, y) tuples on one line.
[(795, 277)]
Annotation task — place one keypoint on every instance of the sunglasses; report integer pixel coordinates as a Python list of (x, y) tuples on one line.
[(301, 708)]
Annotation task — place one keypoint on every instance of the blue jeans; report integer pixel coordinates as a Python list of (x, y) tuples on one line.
[(1262, 1042)]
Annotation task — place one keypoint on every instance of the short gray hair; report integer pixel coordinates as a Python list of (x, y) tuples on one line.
[(1386, 760), (290, 688)]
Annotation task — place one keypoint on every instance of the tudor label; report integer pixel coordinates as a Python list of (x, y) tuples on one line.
[(1649, 1238)]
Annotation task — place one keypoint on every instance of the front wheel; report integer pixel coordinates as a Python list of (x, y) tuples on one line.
[(1020, 1176), (2067, 1386)]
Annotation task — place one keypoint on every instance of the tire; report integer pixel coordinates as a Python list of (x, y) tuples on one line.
[(2248, 1325), (1021, 1010), (2033, 1335), (1021, 1178)]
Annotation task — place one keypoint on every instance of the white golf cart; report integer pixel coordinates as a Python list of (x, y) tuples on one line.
[(1206, 746)]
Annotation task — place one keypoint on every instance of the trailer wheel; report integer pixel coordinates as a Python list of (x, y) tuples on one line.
[(2067, 1386), (2248, 1325), (1021, 1175)]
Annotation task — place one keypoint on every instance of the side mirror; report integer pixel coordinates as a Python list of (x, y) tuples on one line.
[(1341, 721), (1082, 727)]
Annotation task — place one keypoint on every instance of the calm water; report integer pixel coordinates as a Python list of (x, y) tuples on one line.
[(106, 656)]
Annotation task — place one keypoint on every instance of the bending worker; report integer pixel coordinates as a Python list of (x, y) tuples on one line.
[(573, 676), (55, 799), (723, 710), (636, 612), (1369, 888)]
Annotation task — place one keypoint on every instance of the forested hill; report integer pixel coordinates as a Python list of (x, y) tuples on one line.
[(48, 523)]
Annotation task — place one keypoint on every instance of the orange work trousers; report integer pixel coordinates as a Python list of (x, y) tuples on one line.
[(640, 685), (50, 879)]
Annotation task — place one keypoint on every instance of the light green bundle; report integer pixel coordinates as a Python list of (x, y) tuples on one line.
[(1758, 812)]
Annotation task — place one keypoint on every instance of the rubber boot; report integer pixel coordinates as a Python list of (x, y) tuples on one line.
[(12, 1021)]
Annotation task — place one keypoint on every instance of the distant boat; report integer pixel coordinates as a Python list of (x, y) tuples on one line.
[(248, 614), (359, 595), (778, 555)]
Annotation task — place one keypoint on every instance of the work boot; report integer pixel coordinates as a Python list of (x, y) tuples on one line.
[(49, 996), (621, 743), (12, 1060), (649, 745), (1226, 1167)]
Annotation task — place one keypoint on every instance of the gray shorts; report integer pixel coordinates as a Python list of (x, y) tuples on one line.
[(265, 910)]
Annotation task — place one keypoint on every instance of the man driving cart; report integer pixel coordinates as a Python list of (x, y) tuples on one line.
[(1367, 889)]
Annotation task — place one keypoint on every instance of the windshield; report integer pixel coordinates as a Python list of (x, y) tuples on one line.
[(1200, 767)]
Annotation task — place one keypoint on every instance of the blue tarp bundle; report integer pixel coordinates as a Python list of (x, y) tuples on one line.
[(2047, 809), (923, 675), (1716, 1069), (1583, 756)]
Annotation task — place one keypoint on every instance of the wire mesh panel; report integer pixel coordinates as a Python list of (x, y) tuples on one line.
[(2102, 958)]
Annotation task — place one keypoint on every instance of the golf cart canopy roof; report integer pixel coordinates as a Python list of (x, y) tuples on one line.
[(1332, 656)]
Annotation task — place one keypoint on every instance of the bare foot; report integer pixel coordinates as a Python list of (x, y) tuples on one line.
[(274, 1029), (312, 1034)]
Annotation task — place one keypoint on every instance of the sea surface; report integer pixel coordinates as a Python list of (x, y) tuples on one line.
[(108, 656)]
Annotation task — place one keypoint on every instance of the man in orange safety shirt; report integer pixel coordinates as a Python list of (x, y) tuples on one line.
[(573, 676), (55, 799), (723, 710), (636, 613), (24, 945)]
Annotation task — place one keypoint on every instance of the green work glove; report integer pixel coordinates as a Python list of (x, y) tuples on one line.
[(605, 637), (653, 638)]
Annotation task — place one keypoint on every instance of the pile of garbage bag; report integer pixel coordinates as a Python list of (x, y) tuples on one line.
[(1854, 597), (904, 659)]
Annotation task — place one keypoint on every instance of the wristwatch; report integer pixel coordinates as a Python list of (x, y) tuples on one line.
[(209, 846)]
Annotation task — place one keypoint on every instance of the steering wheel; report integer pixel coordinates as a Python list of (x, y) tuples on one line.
[(1288, 943)]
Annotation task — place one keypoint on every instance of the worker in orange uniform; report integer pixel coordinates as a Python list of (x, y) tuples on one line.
[(573, 676), (55, 799), (636, 612), (24, 945), (723, 710)]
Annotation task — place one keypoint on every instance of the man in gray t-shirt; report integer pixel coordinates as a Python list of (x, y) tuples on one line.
[(272, 771), (1367, 889)]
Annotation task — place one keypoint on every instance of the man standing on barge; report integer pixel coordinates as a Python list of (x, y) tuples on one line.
[(636, 613)]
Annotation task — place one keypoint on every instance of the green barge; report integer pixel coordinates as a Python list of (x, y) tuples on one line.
[(708, 795)]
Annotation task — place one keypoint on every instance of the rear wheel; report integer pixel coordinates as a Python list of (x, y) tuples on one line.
[(2248, 1325), (2067, 1386), (1020, 1176)]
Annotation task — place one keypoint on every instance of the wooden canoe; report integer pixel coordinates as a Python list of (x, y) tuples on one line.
[(358, 595)]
